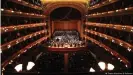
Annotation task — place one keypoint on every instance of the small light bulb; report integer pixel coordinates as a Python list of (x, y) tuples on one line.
[(113, 40), (24, 38), (132, 30), (17, 42), (117, 10), (106, 37), (12, 11), (18, 55), (20, 12), (15, 28), (25, 50), (112, 53), (8, 46), (2, 9), (3, 69), (129, 49), (30, 36), (121, 44), (110, 0), (126, 8), (126, 66), (5, 30), (10, 62), (0, 51), (19, 0), (100, 35)]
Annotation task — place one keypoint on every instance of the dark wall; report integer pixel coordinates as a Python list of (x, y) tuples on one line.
[(65, 13)]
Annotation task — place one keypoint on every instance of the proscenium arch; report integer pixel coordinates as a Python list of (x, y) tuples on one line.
[(66, 13), (52, 6)]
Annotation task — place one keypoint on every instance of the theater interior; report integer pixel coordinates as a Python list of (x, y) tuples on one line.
[(66, 37)]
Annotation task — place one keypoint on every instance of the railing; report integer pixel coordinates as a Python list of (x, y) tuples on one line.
[(17, 54), (112, 26), (124, 11), (106, 2), (5, 12), (113, 52), (18, 27), (24, 3), (112, 39), (21, 39)]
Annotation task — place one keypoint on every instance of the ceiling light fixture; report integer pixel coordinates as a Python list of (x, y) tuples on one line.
[(102, 65), (92, 70), (19, 67), (110, 66)]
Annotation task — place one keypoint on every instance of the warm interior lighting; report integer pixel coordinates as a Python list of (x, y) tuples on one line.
[(120, 60), (92, 70), (19, 0), (126, 66), (126, 8), (113, 26), (117, 10), (18, 68), (13, 42), (131, 30), (3, 69), (129, 49), (110, 0), (12, 11), (49, 1), (0, 51), (29, 14), (2, 9), (110, 66), (113, 40), (18, 55), (30, 65), (22, 51), (8, 46), (118, 41), (111, 12), (121, 44), (17, 42), (102, 65)]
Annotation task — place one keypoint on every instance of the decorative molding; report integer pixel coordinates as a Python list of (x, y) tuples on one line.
[(112, 39), (52, 6), (127, 28), (17, 54), (117, 12), (21, 39), (19, 27)]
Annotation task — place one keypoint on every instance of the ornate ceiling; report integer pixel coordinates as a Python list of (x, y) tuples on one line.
[(50, 5), (51, 1)]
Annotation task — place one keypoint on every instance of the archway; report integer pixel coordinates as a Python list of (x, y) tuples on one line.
[(66, 18)]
